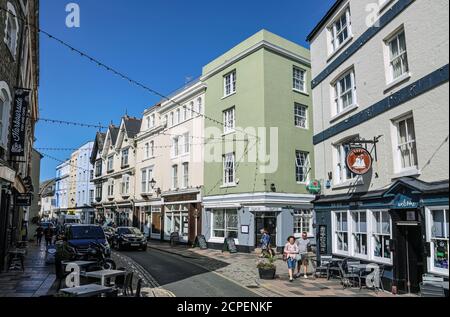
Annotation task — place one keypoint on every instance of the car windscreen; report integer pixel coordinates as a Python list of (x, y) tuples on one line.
[(80, 233), (129, 231)]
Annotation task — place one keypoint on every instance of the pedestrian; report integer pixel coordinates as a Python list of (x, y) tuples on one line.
[(48, 233), (265, 242), (303, 261), (290, 254), (39, 234)]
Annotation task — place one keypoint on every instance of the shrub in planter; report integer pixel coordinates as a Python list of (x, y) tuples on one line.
[(267, 268)]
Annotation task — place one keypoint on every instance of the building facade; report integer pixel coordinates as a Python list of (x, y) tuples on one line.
[(380, 93), (62, 182), (257, 170), (85, 190), (19, 80), (47, 191)]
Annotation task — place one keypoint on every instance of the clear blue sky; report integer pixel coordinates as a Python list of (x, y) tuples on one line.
[(157, 42)]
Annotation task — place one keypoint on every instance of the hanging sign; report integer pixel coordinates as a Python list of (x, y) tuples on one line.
[(23, 200), (314, 187), (359, 161), (323, 240), (18, 123)]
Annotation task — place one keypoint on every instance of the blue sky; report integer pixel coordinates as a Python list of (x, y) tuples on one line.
[(157, 42)]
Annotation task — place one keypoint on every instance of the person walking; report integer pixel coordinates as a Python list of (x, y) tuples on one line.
[(265, 243), (291, 251), (48, 233), (303, 246), (39, 234)]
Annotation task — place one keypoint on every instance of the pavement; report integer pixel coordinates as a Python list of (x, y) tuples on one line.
[(241, 269), (36, 281)]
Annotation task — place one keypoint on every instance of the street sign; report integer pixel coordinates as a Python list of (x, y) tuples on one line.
[(359, 161), (23, 200)]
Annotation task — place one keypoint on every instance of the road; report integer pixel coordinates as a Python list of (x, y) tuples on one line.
[(185, 279)]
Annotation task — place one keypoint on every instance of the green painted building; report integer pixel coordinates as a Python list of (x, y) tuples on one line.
[(258, 102)]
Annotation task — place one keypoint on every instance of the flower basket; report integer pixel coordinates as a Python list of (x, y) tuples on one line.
[(267, 268)]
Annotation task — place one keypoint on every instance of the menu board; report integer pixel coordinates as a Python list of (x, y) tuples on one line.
[(201, 242), (323, 247), (229, 245), (174, 238)]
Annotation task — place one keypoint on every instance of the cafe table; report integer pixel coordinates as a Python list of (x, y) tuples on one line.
[(105, 274), (89, 290)]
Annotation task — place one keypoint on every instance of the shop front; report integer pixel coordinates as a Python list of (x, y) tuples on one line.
[(242, 217), (150, 219), (182, 215), (403, 229)]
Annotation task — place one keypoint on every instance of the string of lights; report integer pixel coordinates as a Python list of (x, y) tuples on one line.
[(86, 125), (111, 69)]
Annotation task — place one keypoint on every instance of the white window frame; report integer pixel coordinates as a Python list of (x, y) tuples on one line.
[(192, 109), (175, 146), (187, 143), (429, 233), (125, 161), (402, 56), (185, 175), (229, 84), (375, 232), (334, 33), (303, 222), (146, 177), (358, 232), (339, 229), (152, 149), (341, 169), (110, 162), (174, 176), (229, 120), (11, 40), (125, 184), (411, 144), (110, 188), (299, 79), (339, 94), (226, 229), (305, 157), (229, 169), (5, 110), (200, 105), (301, 115)]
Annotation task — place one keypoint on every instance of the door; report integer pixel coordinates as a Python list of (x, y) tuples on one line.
[(267, 221), (409, 258)]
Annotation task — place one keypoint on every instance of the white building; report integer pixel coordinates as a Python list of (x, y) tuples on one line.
[(380, 74), (62, 187)]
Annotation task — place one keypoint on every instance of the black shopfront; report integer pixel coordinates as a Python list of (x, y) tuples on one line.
[(404, 228)]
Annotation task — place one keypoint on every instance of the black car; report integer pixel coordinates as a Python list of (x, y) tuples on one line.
[(129, 237)]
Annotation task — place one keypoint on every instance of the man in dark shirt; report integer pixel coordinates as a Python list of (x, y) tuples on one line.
[(48, 233)]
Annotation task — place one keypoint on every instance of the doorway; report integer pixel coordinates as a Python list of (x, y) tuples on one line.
[(410, 258), (268, 221)]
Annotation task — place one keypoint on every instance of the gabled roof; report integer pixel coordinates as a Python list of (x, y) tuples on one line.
[(324, 20), (114, 132), (132, 126), (98, 145)]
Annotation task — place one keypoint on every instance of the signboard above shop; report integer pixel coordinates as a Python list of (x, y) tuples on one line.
[(23, 200), (18, 123), (359, 161)]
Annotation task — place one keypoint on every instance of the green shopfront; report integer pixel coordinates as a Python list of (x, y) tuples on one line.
[(404, 228)]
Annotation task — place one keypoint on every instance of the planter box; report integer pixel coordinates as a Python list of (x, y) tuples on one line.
[(267, 274)]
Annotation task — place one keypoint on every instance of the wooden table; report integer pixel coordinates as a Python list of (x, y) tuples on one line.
[(104, 274), (89, 290)]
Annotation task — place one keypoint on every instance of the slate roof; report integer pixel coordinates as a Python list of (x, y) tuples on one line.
[(114, 131), (324, 20), (132, 126)]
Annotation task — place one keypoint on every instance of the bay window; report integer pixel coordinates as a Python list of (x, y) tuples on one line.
[(225, 223)]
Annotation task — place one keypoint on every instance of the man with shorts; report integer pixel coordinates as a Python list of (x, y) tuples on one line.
[(303, 245)]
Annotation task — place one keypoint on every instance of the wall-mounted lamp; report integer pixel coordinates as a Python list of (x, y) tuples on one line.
[(273, 188)]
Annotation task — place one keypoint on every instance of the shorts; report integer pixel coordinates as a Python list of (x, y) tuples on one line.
[(292, 263), (303, 258)]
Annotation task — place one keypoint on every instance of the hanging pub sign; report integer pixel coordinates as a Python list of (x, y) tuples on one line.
[(359, 161), (314, 187), (18, 125), (23, 200)]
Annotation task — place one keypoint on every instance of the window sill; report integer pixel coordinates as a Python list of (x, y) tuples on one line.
[(339, 49), (149, 158), (226, 96), (221, 240), (384, 6), (412, 172), (228, 186), (438, 272), (348, 184), (344, 112), (302, 128), (228, 133), (300, 92), (402, 79)]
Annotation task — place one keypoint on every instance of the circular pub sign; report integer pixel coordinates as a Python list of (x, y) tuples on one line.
[(314, 187), (359, 161)]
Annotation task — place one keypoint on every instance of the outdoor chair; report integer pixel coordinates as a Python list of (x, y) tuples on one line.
[(138, 288), (119, 281), (348, 267), (127, 289), (324, 267), (348, 279)]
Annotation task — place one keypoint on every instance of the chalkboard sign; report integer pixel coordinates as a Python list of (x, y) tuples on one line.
[(229, 246), (174, 238), (200, 242), (323, 247)]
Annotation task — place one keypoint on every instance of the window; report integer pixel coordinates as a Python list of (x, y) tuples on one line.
[(147, 150), (301, 116), (175, 146), (398, 61), (11, 30), (185, 112), (147, 176), (110, 164), (91, 196), (340, 31), (200, 105), (229, 170), (406, 144), (125, 158), (303, 222), (225, 223), (360, 232), (178, 117), (299, 82), (381, 235), (175, 176), (341, 232), (439, 240), (185, 175), (5, 107), (125, 185), (149, 125), (192, 109), (302, 166), (171, 119), (230, 83), (187, 145), (344, 92), (343, 174), (152, 148), (111, 188), (229, 120)]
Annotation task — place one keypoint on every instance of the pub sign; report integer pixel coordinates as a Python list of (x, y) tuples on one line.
[(18, 125)]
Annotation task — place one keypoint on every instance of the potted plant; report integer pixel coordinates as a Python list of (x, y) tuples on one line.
[(267, 268)]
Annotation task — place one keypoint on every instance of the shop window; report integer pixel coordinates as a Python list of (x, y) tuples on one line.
[(341, 232), (439, 239), (360, 232), (303, 222), (225, 223)]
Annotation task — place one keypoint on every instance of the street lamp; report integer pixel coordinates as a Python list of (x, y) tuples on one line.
[(153, 183)]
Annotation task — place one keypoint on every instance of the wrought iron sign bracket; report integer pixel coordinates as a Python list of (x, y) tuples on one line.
[(358, 142)]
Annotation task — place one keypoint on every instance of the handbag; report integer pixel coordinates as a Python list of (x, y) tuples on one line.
[(285, 257)]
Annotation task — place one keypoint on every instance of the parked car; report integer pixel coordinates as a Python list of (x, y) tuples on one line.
[(129, 237), (79, 239)]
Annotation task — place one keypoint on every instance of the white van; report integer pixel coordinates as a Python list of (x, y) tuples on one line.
[(69, 219)]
